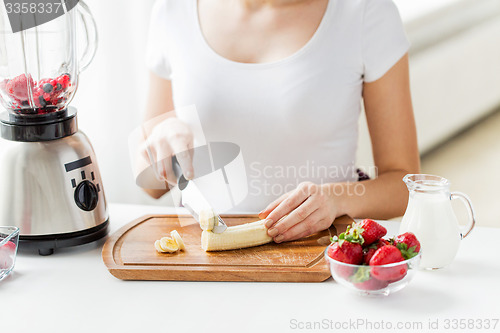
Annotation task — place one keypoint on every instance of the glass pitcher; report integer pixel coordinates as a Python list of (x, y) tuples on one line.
[(430, 217), (39, 66)]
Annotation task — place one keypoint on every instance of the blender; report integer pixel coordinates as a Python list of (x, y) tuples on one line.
[(50, 185)]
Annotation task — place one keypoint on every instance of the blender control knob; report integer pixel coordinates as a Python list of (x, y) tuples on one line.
[(86, 196)]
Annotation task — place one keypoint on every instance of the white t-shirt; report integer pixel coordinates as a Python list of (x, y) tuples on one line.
[(295, 119)]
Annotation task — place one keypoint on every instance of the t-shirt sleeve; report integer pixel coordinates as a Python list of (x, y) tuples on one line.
[(384, 38), (157, 44)]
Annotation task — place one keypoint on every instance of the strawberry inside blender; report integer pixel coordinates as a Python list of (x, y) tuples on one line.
[(48, 94)]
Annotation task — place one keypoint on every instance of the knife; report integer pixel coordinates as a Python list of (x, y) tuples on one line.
[(192, 198)]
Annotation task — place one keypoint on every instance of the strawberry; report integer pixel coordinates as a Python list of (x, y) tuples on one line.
[(18, 86), (15, 103), (370, 231), (59, 101), (50, 89), (64, 81), (371, 284), (3, 84), (7, 252), (383, 242), (368, 254), (40, 102), (388, 254), (346, 252), (408, 244), (364, 281), (48, 85), (369, 251)]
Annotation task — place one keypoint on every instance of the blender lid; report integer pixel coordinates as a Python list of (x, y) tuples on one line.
[(39, 127)]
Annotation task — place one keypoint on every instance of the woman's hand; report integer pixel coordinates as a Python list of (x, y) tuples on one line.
[(304, 211), (169, 137)]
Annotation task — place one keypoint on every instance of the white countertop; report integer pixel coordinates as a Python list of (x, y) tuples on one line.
[(72, 291)]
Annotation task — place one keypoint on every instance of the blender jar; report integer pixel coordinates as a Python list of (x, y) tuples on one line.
[(39, 66)]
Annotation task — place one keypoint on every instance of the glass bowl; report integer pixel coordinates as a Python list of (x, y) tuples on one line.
[(362, 278), (9, 239)]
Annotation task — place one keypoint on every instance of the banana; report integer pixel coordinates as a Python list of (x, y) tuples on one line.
[(208, 219), (169, 245), (237, 237), (158, 247), (178, 239)]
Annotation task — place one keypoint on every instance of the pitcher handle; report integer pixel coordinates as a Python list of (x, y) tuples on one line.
[(90, 34), (472, 216)]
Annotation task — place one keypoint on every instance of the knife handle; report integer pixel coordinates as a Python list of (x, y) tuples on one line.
[(181, 180)]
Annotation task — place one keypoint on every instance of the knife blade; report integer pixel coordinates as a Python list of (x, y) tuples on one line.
[(192, 199)]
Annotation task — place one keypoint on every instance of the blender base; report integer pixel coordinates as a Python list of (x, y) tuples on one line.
[(45, 244)]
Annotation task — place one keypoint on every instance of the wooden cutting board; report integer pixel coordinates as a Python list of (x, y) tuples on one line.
[(129, 254)]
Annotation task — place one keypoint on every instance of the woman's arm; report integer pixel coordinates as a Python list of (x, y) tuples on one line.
[(159, 102), (168, 135), (391, 123), (311, 207), (160, 99)]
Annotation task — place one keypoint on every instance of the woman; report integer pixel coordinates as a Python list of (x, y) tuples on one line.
[(284, 79)]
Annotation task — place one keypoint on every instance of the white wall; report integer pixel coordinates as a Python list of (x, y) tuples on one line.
[(112, 92), (454, 67)]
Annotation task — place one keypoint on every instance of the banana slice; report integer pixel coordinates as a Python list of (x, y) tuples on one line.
[(169, 245), (208, 219), (178, 239), (158, 247)]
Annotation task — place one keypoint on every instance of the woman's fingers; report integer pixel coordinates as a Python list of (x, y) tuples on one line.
[(168, 172), (167, 137), (150, 154), (311, 225), (298, 215), (180, 138), (263, 214), (296, 198), (164, 161), (181, 149), (145, 151)]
